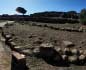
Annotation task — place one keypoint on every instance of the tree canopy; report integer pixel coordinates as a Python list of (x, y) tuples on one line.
[(21, 10)]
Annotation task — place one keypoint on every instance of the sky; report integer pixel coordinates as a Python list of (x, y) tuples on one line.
[(33, 6)]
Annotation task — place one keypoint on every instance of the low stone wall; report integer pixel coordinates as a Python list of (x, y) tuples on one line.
[(81, 29), (18, 61)]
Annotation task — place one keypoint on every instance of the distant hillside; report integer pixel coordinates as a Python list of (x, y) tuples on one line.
[(70, 14), (49, 17)]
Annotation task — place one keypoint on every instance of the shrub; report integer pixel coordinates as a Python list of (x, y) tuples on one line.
[(83, 16)]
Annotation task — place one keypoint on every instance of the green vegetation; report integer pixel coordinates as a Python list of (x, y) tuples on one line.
[(83, 16), (21, 10)]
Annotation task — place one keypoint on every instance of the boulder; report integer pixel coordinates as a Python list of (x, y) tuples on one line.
[(73, 59), (74, 51), (57, 58), (47, 50), (82, 57)]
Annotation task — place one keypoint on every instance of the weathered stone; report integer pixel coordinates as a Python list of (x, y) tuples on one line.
[(36, 50), (13, 43), (8, 36), (67, 51), (17, 55), (18, 61), (82, 57), (73, 59), (64, 57), (27, 51), (68, 43), (84, 52), (74, 51), (59, 50), (10, 40), (47, 45), (81, 51), (17, 47), (47, 50)]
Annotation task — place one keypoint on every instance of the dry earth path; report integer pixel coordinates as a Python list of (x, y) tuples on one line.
[(5, 60)]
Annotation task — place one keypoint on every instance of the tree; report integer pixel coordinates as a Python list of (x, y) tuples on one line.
[(21, 10), (83, 16)]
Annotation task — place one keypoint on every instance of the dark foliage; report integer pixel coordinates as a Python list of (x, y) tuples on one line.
[(83, 16), (21, 10)]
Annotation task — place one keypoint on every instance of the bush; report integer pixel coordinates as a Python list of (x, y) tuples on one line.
[(83, 16)]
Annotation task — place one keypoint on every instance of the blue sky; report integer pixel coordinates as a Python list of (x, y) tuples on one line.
[(32, 6)]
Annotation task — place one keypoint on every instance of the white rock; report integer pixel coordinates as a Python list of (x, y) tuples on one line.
[(8, 36), (46, 45), (74, 51), (58, 49), (13, 43), (36, 50), (72, 58), (27, 51), (82, 57), (64, 57), (68, 43)]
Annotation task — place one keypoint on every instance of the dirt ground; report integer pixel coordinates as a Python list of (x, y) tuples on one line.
[(27, 35), (5, 58)]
